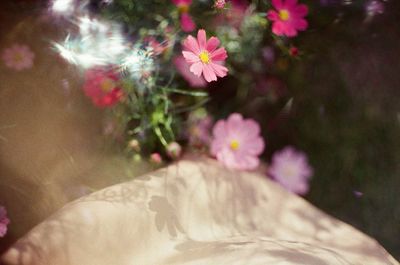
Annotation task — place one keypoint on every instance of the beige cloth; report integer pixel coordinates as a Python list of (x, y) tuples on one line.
[(194, 212)]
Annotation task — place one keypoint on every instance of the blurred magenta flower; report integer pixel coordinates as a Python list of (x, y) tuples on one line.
[(183, 68), (204, 57), (4, 221), (288, 18), (237, 142), (187, 23), (290, 168), (102, 86), (18, 57)]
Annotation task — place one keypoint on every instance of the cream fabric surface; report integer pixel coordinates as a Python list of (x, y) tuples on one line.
[(194, 212)]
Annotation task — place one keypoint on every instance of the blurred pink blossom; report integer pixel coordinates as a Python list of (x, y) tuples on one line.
[(288, 18), (102, 86), (237, 142), (183, 68), (18, 57), (187, 23), (290, 168), (204, 57), (4, 221)]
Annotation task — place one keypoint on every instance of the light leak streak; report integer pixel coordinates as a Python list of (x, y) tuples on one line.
[(65, 7)]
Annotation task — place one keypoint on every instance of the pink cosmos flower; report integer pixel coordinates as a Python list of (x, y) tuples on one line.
[(204, 57), (288, 18), (18, 57), (102, 86), (237, 142), (290, 168), (4, 221), (183, 68), (187, 23)]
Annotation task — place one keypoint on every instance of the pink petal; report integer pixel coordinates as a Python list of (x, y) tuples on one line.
[(212, 44), (219, 55), (183, 68), (277, 4), (202, 39), (254, 146), (208, 73), (251, 127), (290, 3), (301, 24), (301, 10), (197, 68), (190, 57), (219, 70), (234, 122), (191, 44), (278, 28), (272, 15)]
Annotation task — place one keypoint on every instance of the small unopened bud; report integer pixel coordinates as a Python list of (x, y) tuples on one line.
[(156, 158), (220, 4), (174, 150)]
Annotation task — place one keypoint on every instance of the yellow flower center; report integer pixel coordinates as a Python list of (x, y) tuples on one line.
[(284, 15), (204, 57), (183, 8), (107, 85), (234, 145), (18, 57)]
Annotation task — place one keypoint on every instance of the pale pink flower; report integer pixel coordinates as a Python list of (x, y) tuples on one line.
[(102, 86), (4, 221), (290, 168), (237, 142), (288, 18), (18, 57), (204, 57), (183, 68)]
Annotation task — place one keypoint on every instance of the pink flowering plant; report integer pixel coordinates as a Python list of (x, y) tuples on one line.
[(152, 67)]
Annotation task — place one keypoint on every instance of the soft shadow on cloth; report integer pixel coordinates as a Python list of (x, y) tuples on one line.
[(194, 212)]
